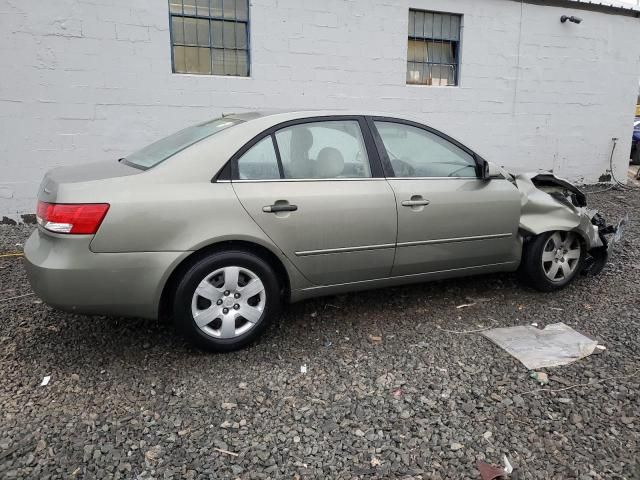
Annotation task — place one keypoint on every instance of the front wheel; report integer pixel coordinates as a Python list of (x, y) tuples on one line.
[(550, 261), (225, 300)]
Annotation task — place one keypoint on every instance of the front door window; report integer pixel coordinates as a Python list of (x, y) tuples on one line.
[(414, 152)]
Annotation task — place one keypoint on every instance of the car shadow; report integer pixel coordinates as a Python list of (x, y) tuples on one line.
[(63, 339)]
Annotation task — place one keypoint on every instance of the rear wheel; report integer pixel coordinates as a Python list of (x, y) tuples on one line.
[(225, 300), (552, 260)]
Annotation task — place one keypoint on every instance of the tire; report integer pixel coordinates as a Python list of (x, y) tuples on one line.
[(541, 258), (213, 318)]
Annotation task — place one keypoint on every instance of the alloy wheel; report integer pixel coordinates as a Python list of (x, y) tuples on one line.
[(561, 256)]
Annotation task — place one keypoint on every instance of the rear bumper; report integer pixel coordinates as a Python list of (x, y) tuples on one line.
[(67, 275)]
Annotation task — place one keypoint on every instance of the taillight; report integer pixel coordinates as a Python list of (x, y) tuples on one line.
[(78, 218)]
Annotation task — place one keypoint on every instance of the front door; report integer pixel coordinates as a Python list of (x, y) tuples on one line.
[(311, 188), (448, 218)]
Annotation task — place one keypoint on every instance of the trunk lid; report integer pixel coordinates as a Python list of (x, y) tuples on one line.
[(62, 179)]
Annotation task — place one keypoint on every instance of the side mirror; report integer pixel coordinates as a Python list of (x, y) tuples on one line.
[(491, 170)]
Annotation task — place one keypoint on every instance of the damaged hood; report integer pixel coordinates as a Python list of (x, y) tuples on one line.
[(550, 203)]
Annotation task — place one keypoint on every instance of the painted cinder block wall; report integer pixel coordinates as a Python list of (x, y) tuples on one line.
[(87, 80)]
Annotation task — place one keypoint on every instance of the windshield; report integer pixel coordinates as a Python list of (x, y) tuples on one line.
[(159, 151)]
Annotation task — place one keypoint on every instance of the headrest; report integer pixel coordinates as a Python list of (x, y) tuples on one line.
[(330, 163), (301, 140)]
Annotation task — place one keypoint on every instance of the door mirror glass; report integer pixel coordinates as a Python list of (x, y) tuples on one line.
[(414, 152), (320, 150)]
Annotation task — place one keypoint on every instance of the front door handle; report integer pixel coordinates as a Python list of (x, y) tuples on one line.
[(279, 207), (415, 202)]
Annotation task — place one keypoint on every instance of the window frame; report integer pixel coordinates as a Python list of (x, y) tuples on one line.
[(210, 19), (386, 161), (457, 53), (229, 172)]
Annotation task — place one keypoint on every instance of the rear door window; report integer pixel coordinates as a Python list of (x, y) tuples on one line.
[(321, 150)]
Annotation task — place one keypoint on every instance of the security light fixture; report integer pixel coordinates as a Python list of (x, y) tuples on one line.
[(572, 19)]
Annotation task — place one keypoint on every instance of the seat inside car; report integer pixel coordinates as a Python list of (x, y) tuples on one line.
[(301, 166), (330, 163)]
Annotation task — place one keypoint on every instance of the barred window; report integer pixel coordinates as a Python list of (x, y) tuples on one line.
[(210, 37), (434, 48)]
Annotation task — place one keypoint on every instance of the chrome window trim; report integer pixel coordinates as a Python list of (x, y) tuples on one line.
[(435, 178), (355, 179)]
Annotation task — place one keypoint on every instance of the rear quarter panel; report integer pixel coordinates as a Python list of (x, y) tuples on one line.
[(180, 217), (174, 217)]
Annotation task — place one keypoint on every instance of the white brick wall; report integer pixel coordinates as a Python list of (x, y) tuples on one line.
[(86, 80)]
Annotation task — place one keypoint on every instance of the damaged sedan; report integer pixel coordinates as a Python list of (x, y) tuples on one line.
[(220, 224)]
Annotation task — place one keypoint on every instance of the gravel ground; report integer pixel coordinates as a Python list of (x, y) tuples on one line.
[(128, 399)]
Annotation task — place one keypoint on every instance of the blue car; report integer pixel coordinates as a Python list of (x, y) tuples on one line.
[(635, 143)]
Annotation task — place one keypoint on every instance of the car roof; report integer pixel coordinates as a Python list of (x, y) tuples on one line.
[(284, 115)]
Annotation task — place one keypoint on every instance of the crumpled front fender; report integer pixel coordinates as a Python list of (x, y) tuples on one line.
[(549, 203)]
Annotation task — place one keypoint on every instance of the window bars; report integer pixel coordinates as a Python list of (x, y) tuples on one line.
[(433, 49), (210, 37)]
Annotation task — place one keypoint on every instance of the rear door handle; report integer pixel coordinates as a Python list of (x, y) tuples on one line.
[(279, 207), (415, 203)]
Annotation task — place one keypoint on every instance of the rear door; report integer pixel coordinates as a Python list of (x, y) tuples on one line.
[(312, 187), (448, 218)]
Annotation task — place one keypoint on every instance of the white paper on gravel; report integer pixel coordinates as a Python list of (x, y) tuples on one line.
[(556, 344)]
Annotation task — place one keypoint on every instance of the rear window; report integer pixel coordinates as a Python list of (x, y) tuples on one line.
[(159, 151)]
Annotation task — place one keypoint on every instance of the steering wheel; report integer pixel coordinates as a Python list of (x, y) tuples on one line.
[(402, 168), (453, 174)]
